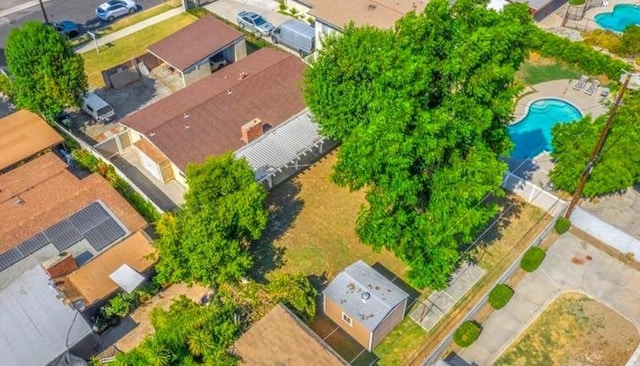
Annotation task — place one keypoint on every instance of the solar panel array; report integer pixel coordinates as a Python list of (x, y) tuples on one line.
[(92, 223)]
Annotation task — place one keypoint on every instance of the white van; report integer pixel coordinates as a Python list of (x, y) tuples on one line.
[(97, 108), (296, 35)]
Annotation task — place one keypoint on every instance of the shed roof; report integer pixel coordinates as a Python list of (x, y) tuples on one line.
[(206, 117), (280, 338), (22, 135), (43, 192), (350, 288), (281, 145), (92, 281), (378, 13), (34, 322), (195, 42)]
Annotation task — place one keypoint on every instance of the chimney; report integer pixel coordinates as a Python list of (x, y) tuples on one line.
[(251, 130), (61, 265)]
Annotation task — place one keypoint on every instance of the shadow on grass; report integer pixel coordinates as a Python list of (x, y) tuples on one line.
[(510, 210), (284, 206)]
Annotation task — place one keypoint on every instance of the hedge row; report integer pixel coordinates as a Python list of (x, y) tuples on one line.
[(578, 54)]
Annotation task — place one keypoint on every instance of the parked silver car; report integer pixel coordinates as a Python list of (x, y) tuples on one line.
[(254, 22), (113, 9)]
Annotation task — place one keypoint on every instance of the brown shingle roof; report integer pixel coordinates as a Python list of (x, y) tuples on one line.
[(22, 135), (218, 105), (195, 42), (378, 13), (49, 193), (280, 338), (92, 281)]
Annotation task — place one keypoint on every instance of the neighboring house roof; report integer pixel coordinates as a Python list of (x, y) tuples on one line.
[(280, 338), (350, 288), (92, 282), (534, 4), (205, 118), (195, 42), (34, 322), (378, 13), (22, 135), (43, 192), (281, 145)]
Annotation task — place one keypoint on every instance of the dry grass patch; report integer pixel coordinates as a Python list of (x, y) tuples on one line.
[(574, 330), (312, 228), (126, 48)]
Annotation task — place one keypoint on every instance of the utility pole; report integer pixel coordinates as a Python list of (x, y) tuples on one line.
[(44, 13), (596, 150)]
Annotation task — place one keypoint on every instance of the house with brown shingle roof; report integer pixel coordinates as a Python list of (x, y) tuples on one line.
[(54, 211), (245, 104), (200, 48), (280, 338), (333, 15)]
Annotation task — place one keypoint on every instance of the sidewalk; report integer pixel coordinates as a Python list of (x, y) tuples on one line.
[(9, 7), (90, 46)]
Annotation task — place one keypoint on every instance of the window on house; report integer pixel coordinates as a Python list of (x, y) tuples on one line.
[(347, 319)]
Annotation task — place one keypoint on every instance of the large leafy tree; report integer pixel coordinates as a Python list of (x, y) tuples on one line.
[(618, 165), (188, 334), (207, 240), (421, 112), (47, 76)]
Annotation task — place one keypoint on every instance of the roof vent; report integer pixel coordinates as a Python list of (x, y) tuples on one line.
[(229, 92), (186, 115), (151, 134), (372, 6), (186, 126), (365, 296), (18, 201), (243, 75)]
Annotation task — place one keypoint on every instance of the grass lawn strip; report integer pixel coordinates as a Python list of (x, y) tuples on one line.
[(538, 69), (574, 330), (126, 48)]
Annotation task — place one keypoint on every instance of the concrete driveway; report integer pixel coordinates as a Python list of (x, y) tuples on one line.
[(603, 278), (228, 9)]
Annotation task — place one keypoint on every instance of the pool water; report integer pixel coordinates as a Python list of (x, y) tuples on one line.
[(623, 16), (532, 134)]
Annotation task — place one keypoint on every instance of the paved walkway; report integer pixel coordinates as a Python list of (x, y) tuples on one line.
[(603, 278), (90, 46)]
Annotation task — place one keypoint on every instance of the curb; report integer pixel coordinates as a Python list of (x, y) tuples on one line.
[(18, 8)]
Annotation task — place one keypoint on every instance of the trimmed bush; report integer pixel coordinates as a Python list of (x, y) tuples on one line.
[(500, 296), (562, 225), (532, 259), (468, 333), (577, 2)]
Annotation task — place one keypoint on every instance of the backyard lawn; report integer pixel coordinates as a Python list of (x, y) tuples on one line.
[(574, 330), (539, 69), (126, 48)]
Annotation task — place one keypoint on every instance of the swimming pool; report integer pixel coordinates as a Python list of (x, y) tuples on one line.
[(532, 134), (623, 16)]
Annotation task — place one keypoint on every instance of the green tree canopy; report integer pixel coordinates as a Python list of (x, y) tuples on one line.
[(188, 334), (630, 41), (207, 240), (618, 166), (47, 75), (421, 113)]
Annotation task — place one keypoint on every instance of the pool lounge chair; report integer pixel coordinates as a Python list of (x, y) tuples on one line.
[(591, 89), (580, 83)]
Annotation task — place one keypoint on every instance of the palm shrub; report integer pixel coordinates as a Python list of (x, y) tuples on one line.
[(500, 296), (532, 259), (467, 333)]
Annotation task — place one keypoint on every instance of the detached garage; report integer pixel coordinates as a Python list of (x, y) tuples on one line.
[(200, 49)]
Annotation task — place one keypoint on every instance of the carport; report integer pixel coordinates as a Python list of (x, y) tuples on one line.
[(192, 50)]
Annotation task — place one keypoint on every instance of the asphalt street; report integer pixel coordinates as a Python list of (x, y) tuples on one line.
[(79, 11)]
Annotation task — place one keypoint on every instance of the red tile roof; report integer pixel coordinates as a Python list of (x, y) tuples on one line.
[(218, 105), (195, 42)]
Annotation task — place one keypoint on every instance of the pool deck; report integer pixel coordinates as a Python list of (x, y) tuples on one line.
[(537, 170), (561, 89)]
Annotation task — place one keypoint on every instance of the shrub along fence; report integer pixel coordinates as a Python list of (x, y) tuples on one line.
[(578, 54)]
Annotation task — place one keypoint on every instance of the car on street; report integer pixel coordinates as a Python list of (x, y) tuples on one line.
[(255, 23), (67, 28), (113, 9)]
